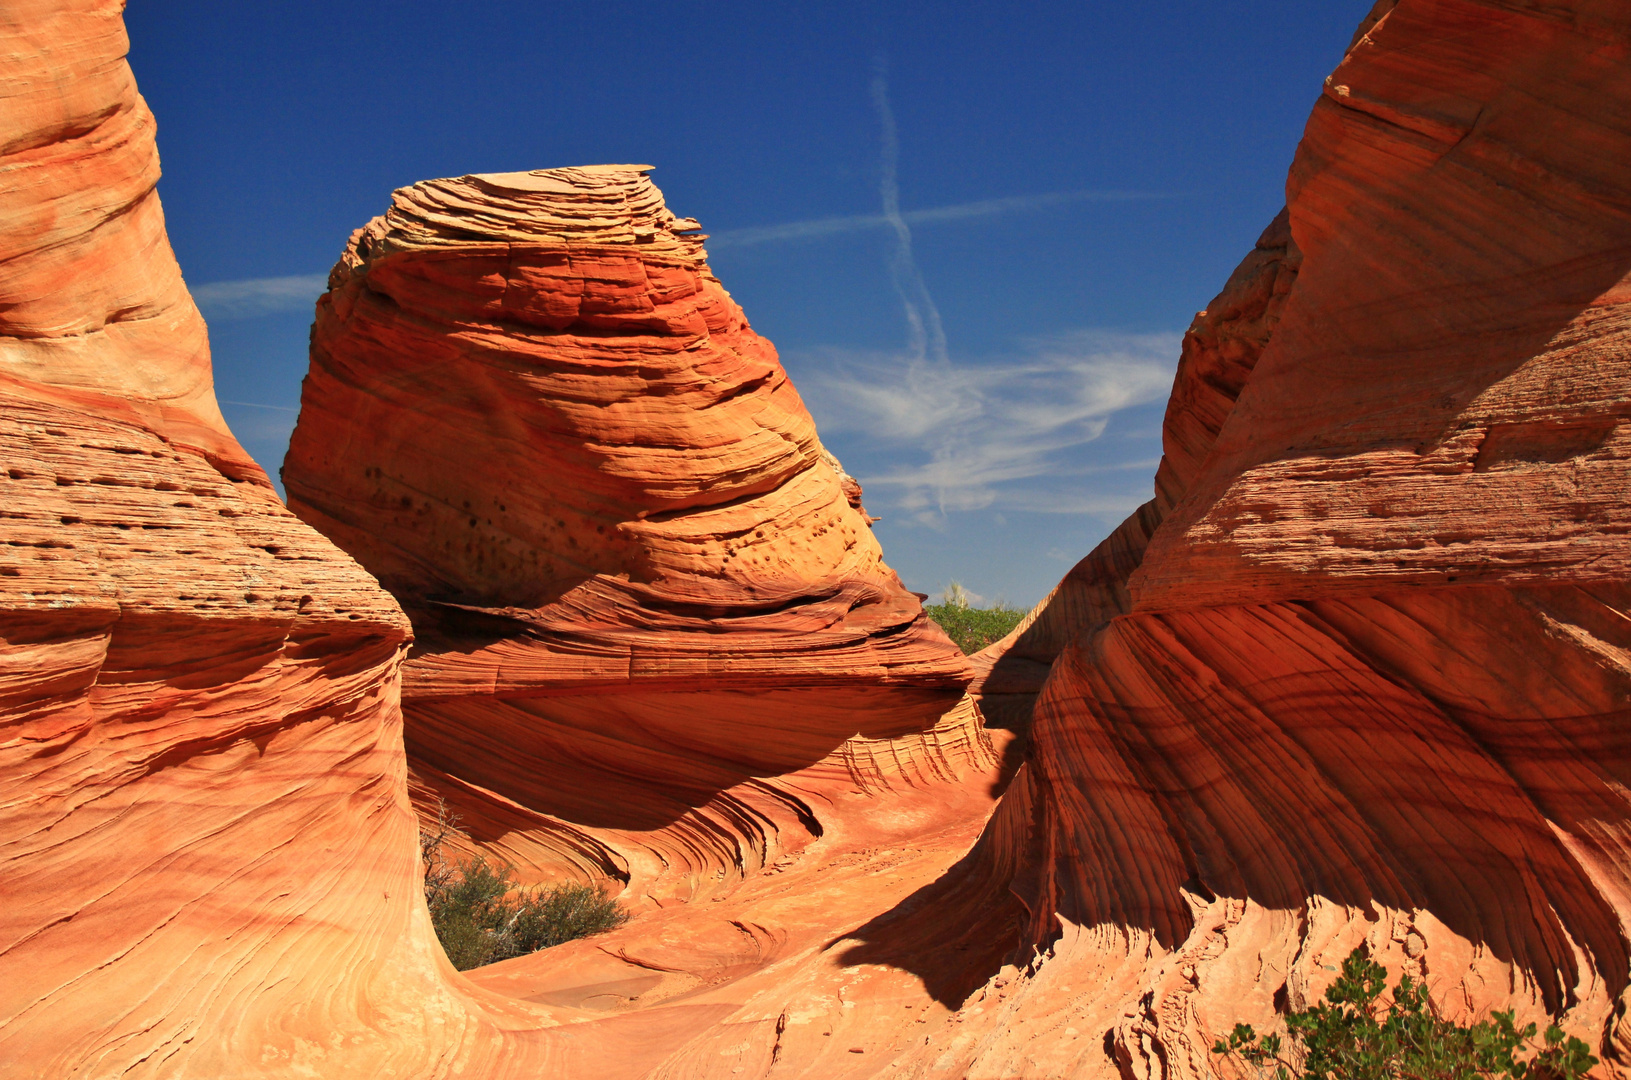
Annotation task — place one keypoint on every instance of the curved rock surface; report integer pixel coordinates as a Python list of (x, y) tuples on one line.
[(641, 588), (209, 854), (1361, 672), (208, 841)]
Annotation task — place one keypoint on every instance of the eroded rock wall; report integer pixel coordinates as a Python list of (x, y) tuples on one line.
[(209, 854), (1360, 672), (642, 590)]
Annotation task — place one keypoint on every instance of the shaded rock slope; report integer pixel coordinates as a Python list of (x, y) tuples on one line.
[(1358, 673)]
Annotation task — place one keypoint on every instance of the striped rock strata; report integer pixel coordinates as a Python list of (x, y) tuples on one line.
[(1361, 672), (208, 849), (641, 589), (208, 839)]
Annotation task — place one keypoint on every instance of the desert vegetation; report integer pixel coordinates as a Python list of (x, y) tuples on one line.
[(972, 628), (481, 916), (1353, 1035)]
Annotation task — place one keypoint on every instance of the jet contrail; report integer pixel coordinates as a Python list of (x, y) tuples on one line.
[(926, 337), (257, 405), (828, 226)]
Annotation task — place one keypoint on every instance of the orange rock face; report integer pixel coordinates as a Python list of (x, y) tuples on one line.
[(209, 845), (208, 850), (1360, 673), (657, 646), (640, 587)]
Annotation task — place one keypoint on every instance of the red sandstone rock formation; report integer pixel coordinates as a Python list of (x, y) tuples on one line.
[(1358, 673), (641, 588), (208, 843), (208, 853)]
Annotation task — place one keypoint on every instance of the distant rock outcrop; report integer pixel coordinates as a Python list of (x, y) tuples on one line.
[(639, 585)]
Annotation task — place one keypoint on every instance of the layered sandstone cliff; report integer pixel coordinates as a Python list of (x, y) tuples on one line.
[(641, 589), (1361, 672), (209, 855), (209, 841)]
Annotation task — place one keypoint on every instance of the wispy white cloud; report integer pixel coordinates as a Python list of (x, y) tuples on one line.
[(260, 423), (973, 436), (816, 228), (259, 296)]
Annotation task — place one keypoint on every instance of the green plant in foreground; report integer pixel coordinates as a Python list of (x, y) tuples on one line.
[(481, 917), (1352, 1036), (970, 627)]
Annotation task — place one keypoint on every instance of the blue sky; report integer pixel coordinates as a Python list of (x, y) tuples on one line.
[(974, 231)]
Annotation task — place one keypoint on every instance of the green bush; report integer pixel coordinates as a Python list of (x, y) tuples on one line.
[(1351, 1036), (970, 627), (481, 917)]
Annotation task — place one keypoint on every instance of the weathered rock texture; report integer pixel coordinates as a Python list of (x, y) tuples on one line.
[(641, 589), (209, 856), (1360, 672), (208, 842)]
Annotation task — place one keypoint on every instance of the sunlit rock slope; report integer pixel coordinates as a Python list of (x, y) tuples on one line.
[(640, 589), (1358, 673), (208, 851)]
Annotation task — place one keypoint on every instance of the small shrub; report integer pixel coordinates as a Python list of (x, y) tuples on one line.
[(481, 917), (553, 916), (970, 627), (1351, 1036)]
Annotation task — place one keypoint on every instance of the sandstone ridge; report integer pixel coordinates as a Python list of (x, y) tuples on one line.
[(1359, 673), (208, 847)]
